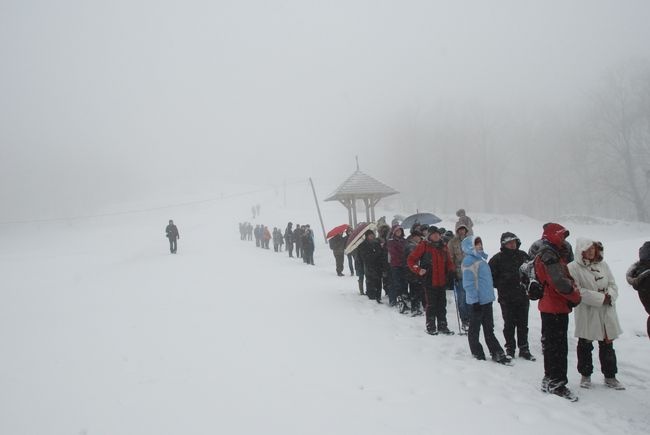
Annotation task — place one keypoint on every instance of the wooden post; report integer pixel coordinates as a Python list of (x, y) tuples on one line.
[(349, 207), (354, 210), (320, 217), (365, 202)]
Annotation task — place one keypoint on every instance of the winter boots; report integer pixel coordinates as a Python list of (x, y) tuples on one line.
[(585, 382), (613, 383), (559, 389), (525, 354), (361, 288), (403, 304), (502, 358)]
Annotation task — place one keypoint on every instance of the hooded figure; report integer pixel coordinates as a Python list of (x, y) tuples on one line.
[(479, 291), (595, 317), (560, 296), (638, 276), (513, 299)]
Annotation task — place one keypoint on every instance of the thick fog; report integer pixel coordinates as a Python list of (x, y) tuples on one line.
[(540, 108)]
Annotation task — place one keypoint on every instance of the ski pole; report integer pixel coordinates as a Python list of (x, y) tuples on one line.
[(460, 332)]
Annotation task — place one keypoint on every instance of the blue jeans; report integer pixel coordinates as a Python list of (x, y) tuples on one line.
[(462, 302), (398, 283)]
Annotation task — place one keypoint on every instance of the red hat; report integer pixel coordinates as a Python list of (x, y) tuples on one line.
[(555, 233)]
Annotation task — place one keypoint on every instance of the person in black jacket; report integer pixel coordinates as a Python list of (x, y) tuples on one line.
[(373, 258), (638, 276), (383, 232), (337, 245), (172, 234), (512, 295), (308, 245)]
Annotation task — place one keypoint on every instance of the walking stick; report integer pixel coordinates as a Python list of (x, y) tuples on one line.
[(460, 332)]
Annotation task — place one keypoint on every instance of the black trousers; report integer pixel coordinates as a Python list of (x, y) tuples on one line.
[(415, 290), (436, 307), (373, 287), (606, 354), (308, 256), (290, 249), (340, 258), (555, 348), (478, 318), (172, 245), (515, 318), (299, 250)]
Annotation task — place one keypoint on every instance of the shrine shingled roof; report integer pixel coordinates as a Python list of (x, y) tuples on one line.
[(360, 185)]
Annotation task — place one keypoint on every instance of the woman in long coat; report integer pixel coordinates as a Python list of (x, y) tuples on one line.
[(595, 317)]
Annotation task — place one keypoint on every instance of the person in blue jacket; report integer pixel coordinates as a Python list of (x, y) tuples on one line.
[(479, 294)]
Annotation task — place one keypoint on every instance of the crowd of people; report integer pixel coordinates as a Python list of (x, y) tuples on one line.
[(299, 239), (415, 272)]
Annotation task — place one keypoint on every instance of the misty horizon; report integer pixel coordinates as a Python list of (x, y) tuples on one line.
[(467, 105)]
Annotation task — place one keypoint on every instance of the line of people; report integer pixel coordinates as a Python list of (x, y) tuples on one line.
[(300, 239), (423, 266), (415, 273)]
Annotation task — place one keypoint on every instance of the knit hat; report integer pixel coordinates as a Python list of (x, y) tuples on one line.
[(644, 252)]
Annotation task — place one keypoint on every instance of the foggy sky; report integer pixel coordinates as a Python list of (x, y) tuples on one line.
[(106, 102)]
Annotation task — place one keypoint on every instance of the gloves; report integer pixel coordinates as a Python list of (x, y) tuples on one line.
[(476, 307), (608, 300), (535, 291)]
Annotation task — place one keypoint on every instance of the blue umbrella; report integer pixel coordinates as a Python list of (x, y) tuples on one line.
[(421, 218)]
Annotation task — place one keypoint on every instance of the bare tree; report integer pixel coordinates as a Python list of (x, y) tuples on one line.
[(621, 131)]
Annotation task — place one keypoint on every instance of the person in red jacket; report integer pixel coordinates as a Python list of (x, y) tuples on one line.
[(560, 296), (431, 260)]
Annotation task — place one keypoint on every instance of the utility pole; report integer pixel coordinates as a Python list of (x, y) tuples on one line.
[(318, 208)]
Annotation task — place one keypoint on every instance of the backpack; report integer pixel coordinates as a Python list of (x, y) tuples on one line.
[(528, 279)]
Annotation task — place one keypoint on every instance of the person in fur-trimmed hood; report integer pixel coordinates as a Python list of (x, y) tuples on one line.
[(638, 276), (595, 317), (512, 295)]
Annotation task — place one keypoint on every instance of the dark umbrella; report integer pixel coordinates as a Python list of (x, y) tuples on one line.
[(421, 218), (337, 230), (360, 227), (357, 236)]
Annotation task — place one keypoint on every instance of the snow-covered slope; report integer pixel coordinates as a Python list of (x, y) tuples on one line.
[(104, 332)]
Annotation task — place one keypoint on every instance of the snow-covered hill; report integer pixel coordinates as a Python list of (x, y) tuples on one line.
[(104, 332)]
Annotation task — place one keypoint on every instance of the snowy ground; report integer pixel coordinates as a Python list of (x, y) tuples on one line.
[(104, 332)]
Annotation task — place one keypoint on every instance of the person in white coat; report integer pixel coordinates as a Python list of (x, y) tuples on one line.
[(595, 317)]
